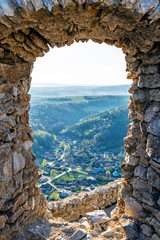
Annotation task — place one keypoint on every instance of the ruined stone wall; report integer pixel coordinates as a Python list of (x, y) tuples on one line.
[(19, 196), (78, 205), (27, 29), (140, 194)]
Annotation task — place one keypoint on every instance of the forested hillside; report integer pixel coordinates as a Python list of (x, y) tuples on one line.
[(54, 114), (106, 129)]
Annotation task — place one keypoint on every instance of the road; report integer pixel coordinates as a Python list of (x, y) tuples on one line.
[(51, 179), (60, 175)]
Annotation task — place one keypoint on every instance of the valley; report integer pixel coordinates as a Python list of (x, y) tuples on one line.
[(78, 142)]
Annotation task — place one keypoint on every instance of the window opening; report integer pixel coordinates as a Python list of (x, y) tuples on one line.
[(79, 117)]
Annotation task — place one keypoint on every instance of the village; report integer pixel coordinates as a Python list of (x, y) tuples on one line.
[(70, 166)]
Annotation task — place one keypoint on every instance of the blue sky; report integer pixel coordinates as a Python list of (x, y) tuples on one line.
[(81, 64)]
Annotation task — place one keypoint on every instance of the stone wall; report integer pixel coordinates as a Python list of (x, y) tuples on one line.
[(27, 29), (140, 194), (75, 206), (19, 196)]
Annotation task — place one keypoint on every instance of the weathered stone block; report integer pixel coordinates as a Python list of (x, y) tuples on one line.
[(149, 114), (153, 178), (154, 95), (78, 235), (133, 207), (129, 226), (149, 81), (140, 95), (156, 225), (18, 201), (143, 192), (3, 219), (18, 162), (154, 126), (152, 148), (155, 237), (27, 145), (6, 188), (8, 73), (141, 172), (131, 160), (12, 217), (6, 169), (147, 230), (98, 216)]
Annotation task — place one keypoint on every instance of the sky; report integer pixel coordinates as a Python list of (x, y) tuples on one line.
[(81, 64)]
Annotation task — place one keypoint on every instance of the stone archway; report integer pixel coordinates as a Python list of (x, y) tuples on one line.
[(27, 27)]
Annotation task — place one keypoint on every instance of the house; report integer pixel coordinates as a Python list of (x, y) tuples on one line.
[(45, 173), (62, 181), (46, 186), (64, 193), (91, 179), (115, 174), (116, 167), (80, 154), (98, 170)]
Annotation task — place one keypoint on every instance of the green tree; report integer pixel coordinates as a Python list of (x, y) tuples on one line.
[(44, 163), (53, 173)]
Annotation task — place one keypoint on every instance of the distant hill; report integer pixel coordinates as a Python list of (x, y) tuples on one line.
[(104, 130), (54, 114), (65, 90)]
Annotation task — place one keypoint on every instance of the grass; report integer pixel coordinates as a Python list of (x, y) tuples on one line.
[(54, 195), (69, 177), (73, 99), (54, 173)]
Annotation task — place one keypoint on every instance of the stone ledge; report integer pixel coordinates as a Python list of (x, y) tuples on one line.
[(73, 207)]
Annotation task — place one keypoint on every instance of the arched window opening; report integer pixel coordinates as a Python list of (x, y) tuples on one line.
[(79, 116)]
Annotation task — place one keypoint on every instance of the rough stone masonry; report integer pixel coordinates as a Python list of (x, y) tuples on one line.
[(27, 29)]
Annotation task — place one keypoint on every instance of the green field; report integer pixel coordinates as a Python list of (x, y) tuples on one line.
[(76, 99), (71, 176), (54, 195), (57, 100)]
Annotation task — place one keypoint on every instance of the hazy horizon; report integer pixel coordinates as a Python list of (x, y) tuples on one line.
[(82, 64), (72, 85)]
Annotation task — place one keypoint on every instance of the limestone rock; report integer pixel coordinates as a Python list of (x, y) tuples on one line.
[(78, 235), (149, 81), (152, 149), (142, 191), (133, 207), (146, 6), (156, 225), (108, 234), (62, 237), (97, 227), (147, 230), (149, 114), (130, 227), (18, 162), (141, 172), (154, 126), (153, 178), (155, 237), (98, 216), (27, 145), (3, 219), (131, 160), (93, 233)]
